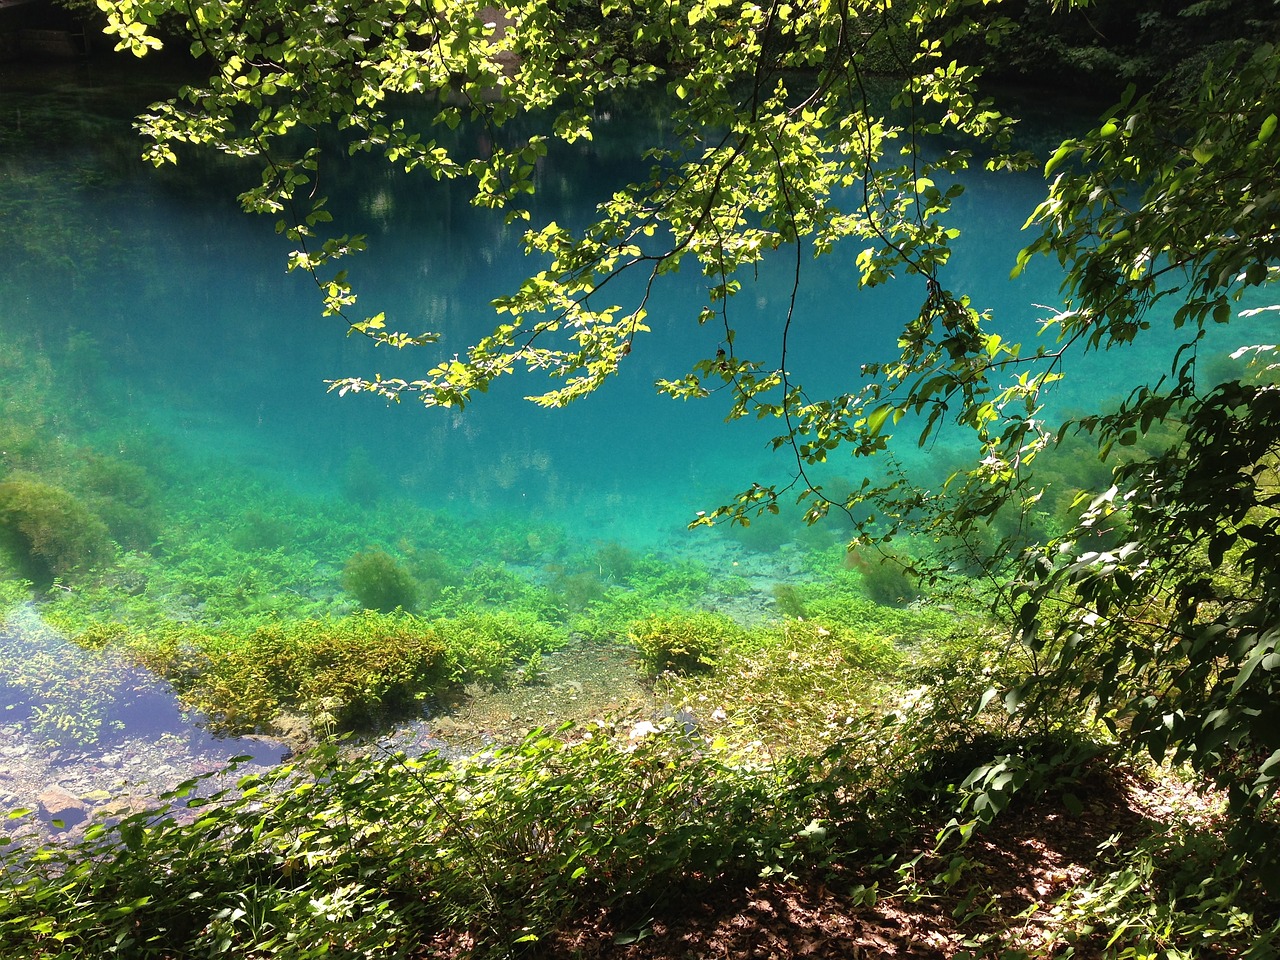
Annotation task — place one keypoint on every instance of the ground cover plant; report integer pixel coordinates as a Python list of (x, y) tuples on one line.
[(836, 832)]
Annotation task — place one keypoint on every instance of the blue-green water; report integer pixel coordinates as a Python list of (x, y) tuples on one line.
[(186, 326), (157, 361)]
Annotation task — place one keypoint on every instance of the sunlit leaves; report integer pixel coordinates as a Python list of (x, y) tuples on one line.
[(763, 164), (1164, 592)]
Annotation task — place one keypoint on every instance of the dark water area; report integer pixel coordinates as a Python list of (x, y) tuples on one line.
[(156, 357)]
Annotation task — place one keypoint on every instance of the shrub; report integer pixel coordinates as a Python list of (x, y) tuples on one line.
[(52, 533), (379, 582), (682, 642)]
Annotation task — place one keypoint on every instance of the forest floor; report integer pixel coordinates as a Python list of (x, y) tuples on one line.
[(1017, 880)]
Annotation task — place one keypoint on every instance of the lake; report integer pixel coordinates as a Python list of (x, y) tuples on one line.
[(157, 361)]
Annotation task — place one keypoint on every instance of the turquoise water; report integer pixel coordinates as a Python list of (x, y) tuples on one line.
[(146, 320), (195, 333), (160, 368)]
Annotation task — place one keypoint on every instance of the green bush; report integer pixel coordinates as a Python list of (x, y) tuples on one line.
[(51, 532), (682, 642), (379, 582)]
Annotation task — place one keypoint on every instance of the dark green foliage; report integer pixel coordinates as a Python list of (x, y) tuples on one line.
[(363, 481), (1155, 608), (578, 590), (260, 530), (1103, 46), (429, 566), (51, 532), (485, 647), (384, 855), (494, 583), (677, 581), (378, 581)]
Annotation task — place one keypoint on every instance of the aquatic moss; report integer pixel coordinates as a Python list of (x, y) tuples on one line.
[(379, 582), (51, 532), (789, 601), (615, 562)]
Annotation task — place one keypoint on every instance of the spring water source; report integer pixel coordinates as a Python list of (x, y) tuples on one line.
[(153, 346)]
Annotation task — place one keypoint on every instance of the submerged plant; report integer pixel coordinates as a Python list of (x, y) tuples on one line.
[(379, 582), (789, 601), (681, 641), (485, 647), (51, 532), (885, 576), (350, 673)]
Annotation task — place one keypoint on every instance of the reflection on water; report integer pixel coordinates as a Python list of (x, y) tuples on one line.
[(87, 732), (69, 695)]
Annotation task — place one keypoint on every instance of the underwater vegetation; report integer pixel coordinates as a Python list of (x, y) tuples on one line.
[(124, 497), (885, 577), (238, 590), (378, 581), (682, 641), (349, 673), (49, 531)]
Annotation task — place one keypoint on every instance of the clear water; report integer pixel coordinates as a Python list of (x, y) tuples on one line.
[(197, 334), (146, 320)]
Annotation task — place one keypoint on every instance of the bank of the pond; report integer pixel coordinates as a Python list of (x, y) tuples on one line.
[(67, 789)]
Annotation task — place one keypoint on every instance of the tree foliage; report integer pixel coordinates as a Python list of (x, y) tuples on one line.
[(799, 126)]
